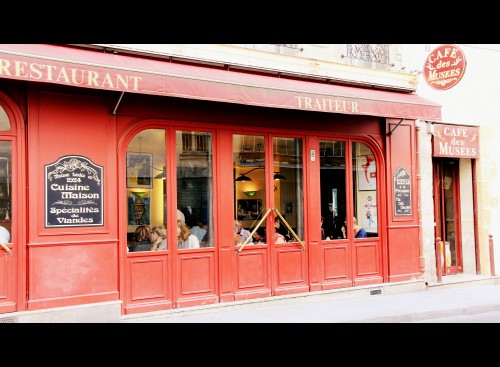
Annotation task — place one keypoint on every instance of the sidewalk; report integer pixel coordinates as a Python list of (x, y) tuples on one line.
[(436, 301)]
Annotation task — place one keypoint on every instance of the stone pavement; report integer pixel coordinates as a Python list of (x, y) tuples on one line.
[(433, 301)]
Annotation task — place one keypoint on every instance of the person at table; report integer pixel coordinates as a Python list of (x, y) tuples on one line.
[(198, 230), (158, 238), (185, 239), (359, 232), (259, 236), (242, 232), (281, 234), (141, 240)]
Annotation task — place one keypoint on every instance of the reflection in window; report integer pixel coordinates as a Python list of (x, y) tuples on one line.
[(364, 170), (333, 189), (146, 191), (288, 189), (249, 186), (194, 189)]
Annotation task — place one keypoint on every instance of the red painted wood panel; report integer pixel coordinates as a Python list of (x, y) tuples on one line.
[(71, 265), (403, 234), (65, 274), (195, 278)]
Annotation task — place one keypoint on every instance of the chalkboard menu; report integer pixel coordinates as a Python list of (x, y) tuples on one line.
[(402, 192), (73, 193)]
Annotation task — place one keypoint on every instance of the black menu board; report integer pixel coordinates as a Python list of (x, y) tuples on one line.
[(402, 192)]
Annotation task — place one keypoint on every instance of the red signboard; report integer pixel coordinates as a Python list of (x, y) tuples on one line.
[(444, 67), (456, 141), (126, 73)]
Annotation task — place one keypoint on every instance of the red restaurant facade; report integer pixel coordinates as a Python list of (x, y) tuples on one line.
[(94, 144)]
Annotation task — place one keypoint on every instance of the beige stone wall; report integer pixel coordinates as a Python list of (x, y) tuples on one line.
[(426, 203), (488, 188)]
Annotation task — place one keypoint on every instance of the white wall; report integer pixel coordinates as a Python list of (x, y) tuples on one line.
[(475, 100)]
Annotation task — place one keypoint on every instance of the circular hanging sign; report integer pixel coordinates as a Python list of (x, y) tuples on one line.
[(444, 67)]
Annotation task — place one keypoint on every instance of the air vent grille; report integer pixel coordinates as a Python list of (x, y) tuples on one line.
[(8, 320)]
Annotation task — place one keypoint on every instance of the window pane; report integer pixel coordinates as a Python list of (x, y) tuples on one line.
[(365, 191), (146, 188), (5, 192), (249, 187), (333, 189), (194, 189), (4, 120), (288, 189)]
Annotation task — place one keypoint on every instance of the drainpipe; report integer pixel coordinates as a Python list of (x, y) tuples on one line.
[(421, 256)]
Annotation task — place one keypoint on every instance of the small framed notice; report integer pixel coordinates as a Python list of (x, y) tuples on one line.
[(402, 192)]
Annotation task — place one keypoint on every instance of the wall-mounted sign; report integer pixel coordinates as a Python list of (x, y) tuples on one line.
[(444, 67), (455, 141), (73, 193), (402, 192)]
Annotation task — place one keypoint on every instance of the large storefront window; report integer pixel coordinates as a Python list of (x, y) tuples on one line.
[(195, 225), (334, 223), (5, 192), (146, 192), (288, 189), (249, 187), (333, 189), (250, 174), (364, 172), (5, 182)]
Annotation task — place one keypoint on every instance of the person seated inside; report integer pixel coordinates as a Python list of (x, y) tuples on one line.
[(237, 239), (279, 237), (242, 232), (259, 236), (141, 240), (158, 238), (198, 230), (185, 239), (281, 233), (359, 232), (4, 235)]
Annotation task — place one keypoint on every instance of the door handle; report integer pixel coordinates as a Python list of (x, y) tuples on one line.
[(4, 246)]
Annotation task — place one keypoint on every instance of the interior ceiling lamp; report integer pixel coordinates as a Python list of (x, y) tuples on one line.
[(243, 177), (278, 176), (162, 175)]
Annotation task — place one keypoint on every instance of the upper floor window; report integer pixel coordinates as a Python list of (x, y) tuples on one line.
[(369, 55)]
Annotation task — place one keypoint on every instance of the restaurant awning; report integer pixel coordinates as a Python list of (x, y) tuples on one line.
[(89, 68)]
